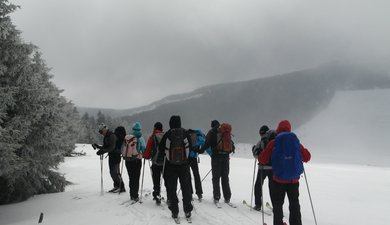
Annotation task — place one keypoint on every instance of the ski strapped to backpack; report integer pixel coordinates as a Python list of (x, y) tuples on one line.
[(177, 146), (224, 139), (129, 150)]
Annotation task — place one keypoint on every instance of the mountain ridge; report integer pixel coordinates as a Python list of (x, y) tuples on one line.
[(248, 104)]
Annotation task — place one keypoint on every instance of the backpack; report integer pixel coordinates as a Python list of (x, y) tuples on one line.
[(287, 157), (157, 156), (265, 139), (224, 139), (197, 139), (120, 134), (129, 149), (177, 148)]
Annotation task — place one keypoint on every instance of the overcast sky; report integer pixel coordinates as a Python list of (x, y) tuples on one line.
[(129, 53)]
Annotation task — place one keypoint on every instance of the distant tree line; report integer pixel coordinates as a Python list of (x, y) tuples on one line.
[(88, 132), (38, 126)]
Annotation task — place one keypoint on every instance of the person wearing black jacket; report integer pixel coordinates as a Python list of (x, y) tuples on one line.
[(176, 144), (219, 164), (112, 146), (264, 171)]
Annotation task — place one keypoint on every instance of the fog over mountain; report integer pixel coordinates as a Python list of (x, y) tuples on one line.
[(298, 96), (148, 49)]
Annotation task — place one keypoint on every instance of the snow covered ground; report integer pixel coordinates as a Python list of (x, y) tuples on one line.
[(342, 194), (349, 178)]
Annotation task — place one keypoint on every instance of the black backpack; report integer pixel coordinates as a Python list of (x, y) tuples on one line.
[(268, 136), (120, 133), (177, 148), (157, 156)]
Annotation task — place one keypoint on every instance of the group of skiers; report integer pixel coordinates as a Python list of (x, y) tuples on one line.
[(175, 152)]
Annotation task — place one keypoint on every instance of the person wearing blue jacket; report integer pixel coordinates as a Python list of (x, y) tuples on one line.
[(198, 139), (134, 164)]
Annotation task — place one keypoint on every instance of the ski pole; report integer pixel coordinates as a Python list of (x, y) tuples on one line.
[(262, 194), (162, 176), (206, 175), (120, 185), (101, 175), (253, 182), (311, 202), (142, 181)]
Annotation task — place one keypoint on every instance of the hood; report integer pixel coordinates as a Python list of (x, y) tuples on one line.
[(284, 126), (136, 129), (175, 122)]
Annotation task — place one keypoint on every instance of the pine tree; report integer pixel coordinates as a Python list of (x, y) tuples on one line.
[(37, 125)]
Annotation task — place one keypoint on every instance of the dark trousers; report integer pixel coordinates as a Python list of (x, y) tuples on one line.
[(195, 171), (279, 192), (134, 171), (261, 175), (173, 173), (220, 171), (156, 177), (114, 161)]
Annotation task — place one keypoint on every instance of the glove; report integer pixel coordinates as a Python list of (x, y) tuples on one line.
[(199, 150), (95, 146), (100, 152)]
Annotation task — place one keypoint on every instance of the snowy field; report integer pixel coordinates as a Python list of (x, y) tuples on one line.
[(349, 178), (342, 194)]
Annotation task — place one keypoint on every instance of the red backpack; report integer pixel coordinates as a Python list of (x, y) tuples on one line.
[(224, 139)]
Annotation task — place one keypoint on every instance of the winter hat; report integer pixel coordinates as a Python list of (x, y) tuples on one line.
[(174, 122), (137, 129), (102, 127), (158, 126), (214, 123), (263, 129)]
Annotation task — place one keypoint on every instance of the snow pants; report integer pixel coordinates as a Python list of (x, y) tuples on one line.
[(279, 192), (220, 171), (156, 177), (173, 173), (261, 175), (134, 171), (114, 161), (195, 171)]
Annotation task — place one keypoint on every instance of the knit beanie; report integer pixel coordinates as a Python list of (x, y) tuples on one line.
[(263, 129), (214, 123), (158, 126)]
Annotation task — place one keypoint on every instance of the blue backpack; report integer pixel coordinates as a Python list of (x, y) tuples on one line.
[(287, 157), (198, 139)]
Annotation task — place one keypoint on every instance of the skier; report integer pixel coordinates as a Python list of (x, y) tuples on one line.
[(266, 135), (110, 146), (133, 161), (152, 152), (176, 143), (287, 155), (220, 157), (198, 139)]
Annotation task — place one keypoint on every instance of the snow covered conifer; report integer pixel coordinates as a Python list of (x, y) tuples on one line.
[(37, 125)]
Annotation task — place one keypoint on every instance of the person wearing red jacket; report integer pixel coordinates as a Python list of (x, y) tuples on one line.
[(157, 158), (285, 176)]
